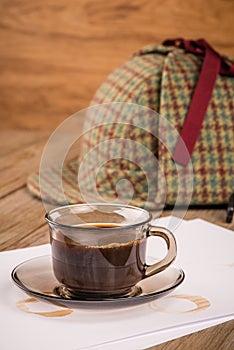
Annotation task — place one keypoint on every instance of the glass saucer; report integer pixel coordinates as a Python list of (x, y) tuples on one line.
[(36, 278)]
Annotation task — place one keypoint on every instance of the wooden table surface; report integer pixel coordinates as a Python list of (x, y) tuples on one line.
[(53, 56)]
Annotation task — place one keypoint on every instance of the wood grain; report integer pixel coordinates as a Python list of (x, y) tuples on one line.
[(16, 166), (206, 339), (21, 215), (54, 55)]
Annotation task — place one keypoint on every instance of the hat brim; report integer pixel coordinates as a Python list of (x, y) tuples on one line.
[(47, 186)]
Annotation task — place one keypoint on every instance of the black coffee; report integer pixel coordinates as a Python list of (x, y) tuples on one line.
[(106, 268)]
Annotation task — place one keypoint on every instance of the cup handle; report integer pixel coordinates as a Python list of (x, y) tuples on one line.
[(171, 253)]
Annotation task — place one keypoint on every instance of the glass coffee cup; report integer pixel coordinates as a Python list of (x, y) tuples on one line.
[(100, 249)]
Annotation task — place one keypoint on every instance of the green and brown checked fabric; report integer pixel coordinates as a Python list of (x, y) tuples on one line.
[(213, 156), (163, 79)]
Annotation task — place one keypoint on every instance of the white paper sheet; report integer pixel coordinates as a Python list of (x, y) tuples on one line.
[(205, 252)]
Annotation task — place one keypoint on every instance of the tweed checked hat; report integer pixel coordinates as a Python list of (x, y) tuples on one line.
[(163, 79)]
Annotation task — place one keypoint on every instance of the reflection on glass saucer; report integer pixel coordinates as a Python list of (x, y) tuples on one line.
[(36, 278)]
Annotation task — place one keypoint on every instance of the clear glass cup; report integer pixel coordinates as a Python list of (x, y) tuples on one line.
[(100, 249)]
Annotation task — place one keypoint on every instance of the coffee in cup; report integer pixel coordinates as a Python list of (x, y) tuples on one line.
[(100, 249)]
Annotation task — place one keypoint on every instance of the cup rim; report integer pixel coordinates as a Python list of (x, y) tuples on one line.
[(92, 228)]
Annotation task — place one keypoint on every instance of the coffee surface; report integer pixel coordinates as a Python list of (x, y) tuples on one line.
[(105, 268)]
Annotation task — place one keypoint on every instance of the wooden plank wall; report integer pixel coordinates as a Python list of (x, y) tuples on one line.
[(55, 53)]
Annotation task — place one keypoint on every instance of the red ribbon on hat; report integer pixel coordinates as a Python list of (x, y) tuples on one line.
[(213, 64)]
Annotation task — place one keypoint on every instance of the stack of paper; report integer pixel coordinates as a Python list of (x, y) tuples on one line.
[(205, 298)]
